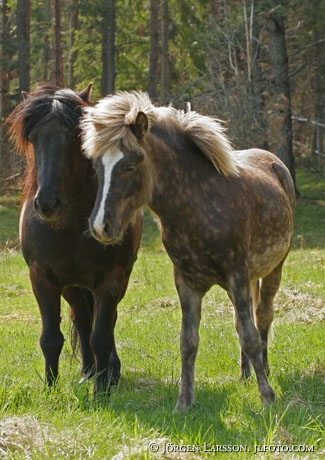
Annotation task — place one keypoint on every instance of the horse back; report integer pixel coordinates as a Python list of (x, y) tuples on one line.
[(267, 172)]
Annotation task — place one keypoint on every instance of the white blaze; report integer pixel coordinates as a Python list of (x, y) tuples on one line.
[(21, 218), (109, 160)]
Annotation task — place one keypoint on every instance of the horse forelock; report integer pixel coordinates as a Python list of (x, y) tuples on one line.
[(108, 124)]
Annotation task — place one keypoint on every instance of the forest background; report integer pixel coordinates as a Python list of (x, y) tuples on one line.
[(257, 65)]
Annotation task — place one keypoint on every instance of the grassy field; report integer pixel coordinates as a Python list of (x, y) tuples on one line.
[(138, 422)]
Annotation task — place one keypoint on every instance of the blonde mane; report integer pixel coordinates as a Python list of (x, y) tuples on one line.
[(108, 123)]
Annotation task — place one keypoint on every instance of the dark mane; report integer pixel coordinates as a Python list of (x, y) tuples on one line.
[(46, 99)]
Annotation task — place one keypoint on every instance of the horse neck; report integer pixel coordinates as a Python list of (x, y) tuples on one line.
[(171, 174), (84, 180), (80, 189)]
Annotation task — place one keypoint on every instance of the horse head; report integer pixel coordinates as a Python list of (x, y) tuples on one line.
[(54, 137), (123, 179)]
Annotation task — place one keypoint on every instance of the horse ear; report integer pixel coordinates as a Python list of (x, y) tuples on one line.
[(85, 94), (140, 126), (98, 126), (25, 95)]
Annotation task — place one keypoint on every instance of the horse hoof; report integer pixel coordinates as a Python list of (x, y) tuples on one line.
[(114, 380), (268, 397), (183, 403), (245, 377), (84, 378)]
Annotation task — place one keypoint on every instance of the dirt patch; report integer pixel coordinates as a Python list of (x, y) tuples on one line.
[(21, 435), (299, 306)]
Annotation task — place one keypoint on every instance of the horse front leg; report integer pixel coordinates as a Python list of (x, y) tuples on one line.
[(102, 340), (108, 365), (51, 341), (191, 301), (114, 364), (82, 313), (249, 337), (245, 368)]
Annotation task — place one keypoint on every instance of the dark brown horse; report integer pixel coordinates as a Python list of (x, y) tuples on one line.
[(226, 217), (63, 259)]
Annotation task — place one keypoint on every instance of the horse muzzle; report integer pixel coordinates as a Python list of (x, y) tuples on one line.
[(49, 208), (104, 233)]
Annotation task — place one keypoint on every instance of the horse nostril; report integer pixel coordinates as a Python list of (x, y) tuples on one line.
[(56, 204), (36, 204), (101, 232), (106, 228), (47, 208)]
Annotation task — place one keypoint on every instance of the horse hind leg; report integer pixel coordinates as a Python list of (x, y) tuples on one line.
[(245, 368), (249, 337), (264, 310)]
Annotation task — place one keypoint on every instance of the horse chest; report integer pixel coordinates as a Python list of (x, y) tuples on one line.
[(203, 262), (70, 258)]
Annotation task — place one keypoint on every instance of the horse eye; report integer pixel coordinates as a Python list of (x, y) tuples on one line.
[(130, 168), (75, 139)]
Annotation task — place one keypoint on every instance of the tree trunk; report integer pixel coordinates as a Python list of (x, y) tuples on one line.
[(73, 26), (153, 64), (259, 125), (319, 86), (319, 113), (4, 88), (164, 52), (281, 120), (58, 57), (48, 42), (23, 33), (108, 48)]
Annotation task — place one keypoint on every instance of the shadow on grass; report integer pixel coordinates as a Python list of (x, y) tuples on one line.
[(304, 391), (225, 414), (222, 416)]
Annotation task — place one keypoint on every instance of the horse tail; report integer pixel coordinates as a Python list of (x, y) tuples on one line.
[(286, 181), (74, 339), (74, 336)]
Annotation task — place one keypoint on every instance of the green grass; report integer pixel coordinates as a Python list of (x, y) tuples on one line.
[(67, 422), (9, 218), (310, 212)]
